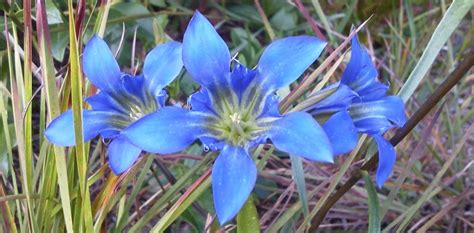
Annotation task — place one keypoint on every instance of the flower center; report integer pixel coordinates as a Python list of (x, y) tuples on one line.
[(137, 112), (237, 121), (236, 128)]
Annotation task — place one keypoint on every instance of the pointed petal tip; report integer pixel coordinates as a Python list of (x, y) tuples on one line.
[(100, 66), (96, 37), (233, 178), (116, 170), (162, 65), (329, 159), (223, 219), (379, 184), (60, 131), (285, 59), (197, 13), (387, 159), (94, 40), (122, 155), (206, 56)]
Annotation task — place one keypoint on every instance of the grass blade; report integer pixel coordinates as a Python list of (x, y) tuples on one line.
[(374, 207), (170, 194), (449, 22), (189, 197), (334, 182), (298, 175), (48, 75), (76, 90)]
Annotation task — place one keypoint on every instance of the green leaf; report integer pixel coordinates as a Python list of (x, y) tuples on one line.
[(134, 13), (284, 19), (374, 207), (298, 176), (449, 22), (158, 3), (245, 12), (59, 42), (247, 219), (53, 14)]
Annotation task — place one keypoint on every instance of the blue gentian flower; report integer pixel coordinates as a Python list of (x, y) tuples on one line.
[(358, 103), (122, 100), (236, 110)]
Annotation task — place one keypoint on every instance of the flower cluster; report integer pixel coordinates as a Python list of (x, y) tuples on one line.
[(359, 104), (235, 110), (122, 99)]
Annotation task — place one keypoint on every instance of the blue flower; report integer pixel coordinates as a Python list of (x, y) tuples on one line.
[(235, 110), (123, 99), (359, 104)]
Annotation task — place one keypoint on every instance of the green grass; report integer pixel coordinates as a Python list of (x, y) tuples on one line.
[(416, 46)]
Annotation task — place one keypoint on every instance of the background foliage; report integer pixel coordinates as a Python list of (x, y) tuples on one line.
[(416, 45)]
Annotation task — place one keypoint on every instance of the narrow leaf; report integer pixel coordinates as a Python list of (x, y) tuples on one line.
[(374, 207), (298, 175), (48, 74), (188, 198), (76, 89), (449, 22), (247, 219)]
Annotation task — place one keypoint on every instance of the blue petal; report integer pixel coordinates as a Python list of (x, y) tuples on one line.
[(387, 159), (104, 102), (284, 60), (374, 91), (161, 98), (339, 100), (341, 132), (205, 55), (61, 129), (162, 65), (100, 65), (110, 134), (271, 107), (134, 85), (169, 130), (211, 143), (373, 125), (361, 75), (233, 178), (378, 116), (355, 64), (241, 77), (133, 91), (122, 155), (200, 101), (299, 134)]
